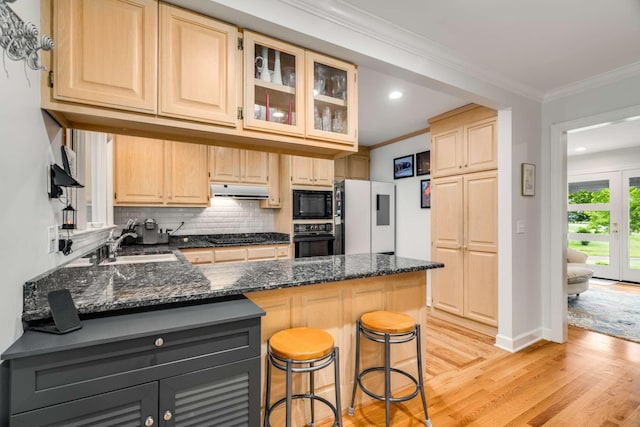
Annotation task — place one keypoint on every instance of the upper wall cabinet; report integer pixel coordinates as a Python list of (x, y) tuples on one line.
[(198, 68), (143, 67), (159, 173), (274, 87), (106, 53), (232, 165), (331, 102), (459, 146)]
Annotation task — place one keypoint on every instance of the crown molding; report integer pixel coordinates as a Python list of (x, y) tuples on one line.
[(603, 79), (374, 27)]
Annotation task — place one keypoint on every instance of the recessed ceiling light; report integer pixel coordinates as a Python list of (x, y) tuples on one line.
[(581, 149), (395, 94)]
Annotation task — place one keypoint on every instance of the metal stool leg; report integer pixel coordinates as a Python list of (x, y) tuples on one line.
[(336, 366), (289, 393), (387, 378), (357, 368), (312, 388), (427, 422), (267, 393)]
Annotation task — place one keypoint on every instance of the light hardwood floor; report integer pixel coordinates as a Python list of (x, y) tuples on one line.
[(593, 380)]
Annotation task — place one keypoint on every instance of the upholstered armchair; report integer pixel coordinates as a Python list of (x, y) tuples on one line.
[(578, 272)]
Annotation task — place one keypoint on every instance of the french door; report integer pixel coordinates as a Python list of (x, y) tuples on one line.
[(630, 232), (604, 222)]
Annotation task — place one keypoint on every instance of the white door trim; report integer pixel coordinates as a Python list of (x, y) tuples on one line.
[(554, 253)]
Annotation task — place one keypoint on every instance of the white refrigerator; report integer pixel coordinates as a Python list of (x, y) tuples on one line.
[(364, 217)]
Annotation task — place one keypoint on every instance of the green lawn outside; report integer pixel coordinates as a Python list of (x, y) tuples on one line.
[(602, 249)]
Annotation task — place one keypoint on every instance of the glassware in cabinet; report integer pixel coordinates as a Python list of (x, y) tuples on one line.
[(274, 91), (331, 107)]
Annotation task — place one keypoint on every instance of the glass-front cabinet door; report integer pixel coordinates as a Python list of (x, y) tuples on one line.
[(331, 99), (274, 89)]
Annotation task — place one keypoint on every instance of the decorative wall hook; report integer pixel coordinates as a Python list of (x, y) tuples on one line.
[(19, 40)]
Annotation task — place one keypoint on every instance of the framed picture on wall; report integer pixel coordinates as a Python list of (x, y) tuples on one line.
[(425, 194), (528, 179), (423, 163), (403, 167)]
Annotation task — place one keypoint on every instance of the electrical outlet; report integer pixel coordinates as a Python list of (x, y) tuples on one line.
[(52, 239)]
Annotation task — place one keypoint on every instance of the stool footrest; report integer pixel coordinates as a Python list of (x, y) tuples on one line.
[(303, 396), (410, 396)]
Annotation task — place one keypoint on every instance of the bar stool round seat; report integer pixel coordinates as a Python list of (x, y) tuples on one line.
[(388, 328), (302, 350)]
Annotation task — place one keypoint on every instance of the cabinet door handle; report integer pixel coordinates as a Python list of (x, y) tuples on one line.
[(149, 421), (159, 342), (167, 415)]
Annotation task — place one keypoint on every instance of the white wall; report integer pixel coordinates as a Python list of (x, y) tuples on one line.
[(28, 136), (413, 224)]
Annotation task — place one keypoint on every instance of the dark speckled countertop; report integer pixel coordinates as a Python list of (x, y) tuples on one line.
[(108, 288)]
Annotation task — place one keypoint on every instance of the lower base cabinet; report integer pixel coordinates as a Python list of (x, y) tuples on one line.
[(199, 375)]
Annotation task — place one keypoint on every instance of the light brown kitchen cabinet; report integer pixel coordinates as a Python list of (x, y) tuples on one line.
[(465, 239), (233, 165), (354, 166), (331, 112), (160, 173), (226, 254), (311, 171), (106, 53), (274, 85), (139, 171), (464, 217), (198, 67), (273, 183), (147, 68), (465, 142)]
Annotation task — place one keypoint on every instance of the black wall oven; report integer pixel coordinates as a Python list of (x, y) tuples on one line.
[(313, 239), (312, 204)]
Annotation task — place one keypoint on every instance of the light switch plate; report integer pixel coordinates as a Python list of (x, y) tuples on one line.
[(521, 226), (52, 239)]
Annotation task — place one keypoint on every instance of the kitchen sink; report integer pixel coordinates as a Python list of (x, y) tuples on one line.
[(126, 259)]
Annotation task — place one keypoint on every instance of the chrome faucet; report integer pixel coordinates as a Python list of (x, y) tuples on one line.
[(114, 244)]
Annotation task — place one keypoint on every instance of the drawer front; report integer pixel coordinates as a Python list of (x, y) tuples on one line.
[(282, 252), (230, 255), (198, 256), (62, 376), (262, 252)]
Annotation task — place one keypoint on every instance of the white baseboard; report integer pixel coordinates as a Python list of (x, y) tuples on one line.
[(520, 342)]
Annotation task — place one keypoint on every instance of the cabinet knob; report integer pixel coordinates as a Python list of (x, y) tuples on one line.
[(167, 415), (149, 421), (159, 342)]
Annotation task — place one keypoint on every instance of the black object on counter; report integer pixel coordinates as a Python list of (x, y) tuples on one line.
[(64, 313)]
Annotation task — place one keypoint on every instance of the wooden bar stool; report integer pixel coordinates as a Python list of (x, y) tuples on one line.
[(300, 350), (388, 327)]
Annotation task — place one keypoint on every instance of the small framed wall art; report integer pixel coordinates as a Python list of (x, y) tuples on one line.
[(423, 163), (528, 179), (425, 194), (403, 167)]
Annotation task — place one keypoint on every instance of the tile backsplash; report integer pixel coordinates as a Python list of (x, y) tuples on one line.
[(224, 216)]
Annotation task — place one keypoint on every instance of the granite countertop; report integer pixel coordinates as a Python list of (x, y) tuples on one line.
[(108, 288), (217, 240)]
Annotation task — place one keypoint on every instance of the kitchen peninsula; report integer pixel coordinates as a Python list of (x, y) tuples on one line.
[(174, 325)]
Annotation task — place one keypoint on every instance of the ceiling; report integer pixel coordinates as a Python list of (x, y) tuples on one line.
[(545, 46), (604, 137)]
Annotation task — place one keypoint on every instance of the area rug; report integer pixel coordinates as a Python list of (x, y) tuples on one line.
[(608, 312)]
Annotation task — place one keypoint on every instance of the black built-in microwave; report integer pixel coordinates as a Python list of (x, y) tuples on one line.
[(312, 204)]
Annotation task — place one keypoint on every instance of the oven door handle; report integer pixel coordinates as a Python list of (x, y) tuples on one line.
[(312, 238)]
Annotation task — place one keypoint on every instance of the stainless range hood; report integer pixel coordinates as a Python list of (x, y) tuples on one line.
[(237, 191)]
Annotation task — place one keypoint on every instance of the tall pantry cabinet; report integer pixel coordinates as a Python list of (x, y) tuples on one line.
[(464, 214)]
